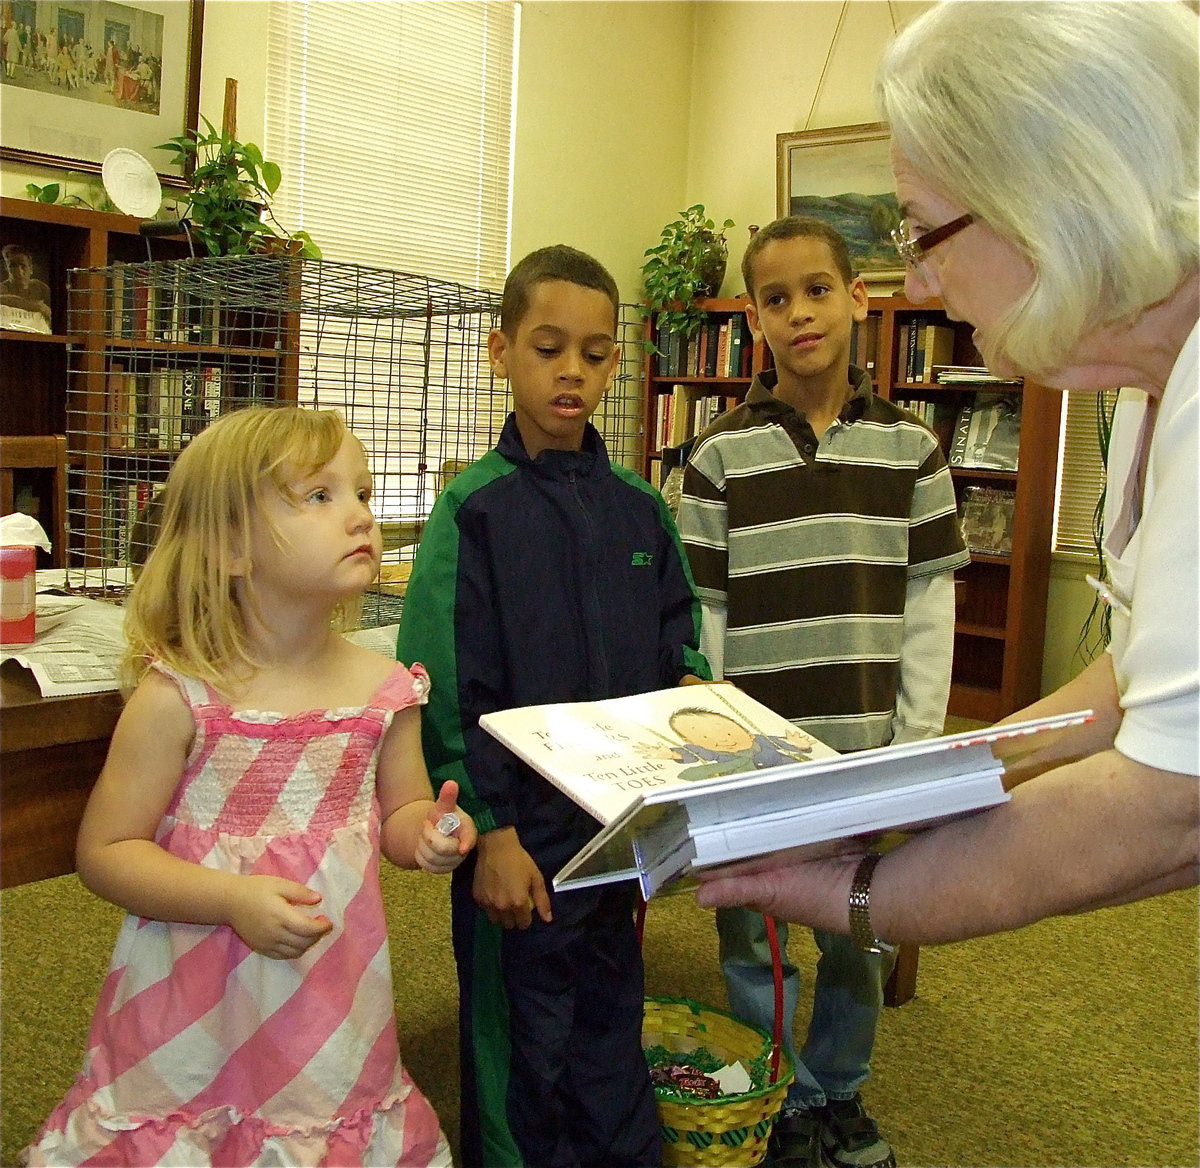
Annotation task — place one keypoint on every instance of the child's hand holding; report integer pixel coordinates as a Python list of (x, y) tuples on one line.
[(443, 843), (263, 912)]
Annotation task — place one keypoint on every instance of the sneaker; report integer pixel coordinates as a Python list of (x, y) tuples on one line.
[(795, 1140), (850, 1137)]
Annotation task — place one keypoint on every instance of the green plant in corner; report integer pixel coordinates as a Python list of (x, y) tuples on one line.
[(230, 187), (688, 262)]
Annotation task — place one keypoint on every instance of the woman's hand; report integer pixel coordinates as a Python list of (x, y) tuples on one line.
[(263, 912)]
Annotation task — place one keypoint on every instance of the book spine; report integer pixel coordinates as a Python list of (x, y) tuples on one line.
[(962, 430), (910, 368)]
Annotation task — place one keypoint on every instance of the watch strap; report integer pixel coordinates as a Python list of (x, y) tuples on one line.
[(862, 935)]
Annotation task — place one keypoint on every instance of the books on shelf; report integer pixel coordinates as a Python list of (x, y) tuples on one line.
[(987, 435), (159, 307), (922, 344), (162, 409), (987, 519), (970, 375), (684, 413), (700, 775), (720, 347)]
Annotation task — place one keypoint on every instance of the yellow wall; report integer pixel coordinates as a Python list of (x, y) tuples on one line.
[(763, 69)]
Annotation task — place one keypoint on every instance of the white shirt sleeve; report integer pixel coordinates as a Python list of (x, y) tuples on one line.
[(926, 653)]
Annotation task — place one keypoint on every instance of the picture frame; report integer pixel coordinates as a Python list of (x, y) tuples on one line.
[(68, 110), (842, 176)]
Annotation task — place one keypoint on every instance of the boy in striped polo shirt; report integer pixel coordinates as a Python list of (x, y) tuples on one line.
[(821, 526)]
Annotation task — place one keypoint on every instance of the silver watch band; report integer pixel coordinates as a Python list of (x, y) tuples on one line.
[(862, 936)]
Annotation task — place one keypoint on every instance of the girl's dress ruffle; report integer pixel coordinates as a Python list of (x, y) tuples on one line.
[(401, 1129)]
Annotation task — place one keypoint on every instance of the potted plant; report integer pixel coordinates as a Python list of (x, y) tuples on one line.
[(230, 185), (689, 262)]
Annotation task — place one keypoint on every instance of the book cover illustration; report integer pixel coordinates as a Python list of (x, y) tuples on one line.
[(731, 779), (988, 433), (987, 520), (25, 290), (605, 754)]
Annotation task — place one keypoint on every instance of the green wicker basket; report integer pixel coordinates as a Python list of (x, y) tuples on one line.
[(730, 1130)]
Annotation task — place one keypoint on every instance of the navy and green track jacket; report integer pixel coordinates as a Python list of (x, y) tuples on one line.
[(555, 579)]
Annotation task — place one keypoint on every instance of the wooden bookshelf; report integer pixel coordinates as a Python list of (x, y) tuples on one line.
[(40, 367), (710, 382), (999, 636)]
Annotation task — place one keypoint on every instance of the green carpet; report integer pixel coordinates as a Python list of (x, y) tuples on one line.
[(1071, 1043)]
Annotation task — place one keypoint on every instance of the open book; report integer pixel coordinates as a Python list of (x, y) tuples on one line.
[(700, 775)]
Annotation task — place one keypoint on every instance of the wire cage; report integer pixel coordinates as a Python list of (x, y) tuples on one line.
[(168, 346)]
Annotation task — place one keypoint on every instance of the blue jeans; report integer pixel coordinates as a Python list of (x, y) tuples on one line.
[(847, 999)]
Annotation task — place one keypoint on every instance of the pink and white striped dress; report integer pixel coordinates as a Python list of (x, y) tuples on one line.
[(202, 1051)]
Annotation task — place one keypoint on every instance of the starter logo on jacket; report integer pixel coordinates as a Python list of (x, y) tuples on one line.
[(641, 559)]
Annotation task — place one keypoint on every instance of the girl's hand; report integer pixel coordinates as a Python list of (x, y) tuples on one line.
[(438, 852), (263, 912)]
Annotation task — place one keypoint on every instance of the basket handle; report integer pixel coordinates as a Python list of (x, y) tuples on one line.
[(777, 977)]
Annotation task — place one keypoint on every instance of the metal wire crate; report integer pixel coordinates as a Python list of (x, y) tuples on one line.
[(168, 346)]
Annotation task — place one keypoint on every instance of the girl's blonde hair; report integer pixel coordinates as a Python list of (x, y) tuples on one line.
[(184, 609), (1070, 129)]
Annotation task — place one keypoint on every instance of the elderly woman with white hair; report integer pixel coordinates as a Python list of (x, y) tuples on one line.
[(1045, 157)]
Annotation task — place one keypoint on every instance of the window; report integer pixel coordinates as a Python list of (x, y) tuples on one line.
[(1081, 471), (393, 126), (392, 123)]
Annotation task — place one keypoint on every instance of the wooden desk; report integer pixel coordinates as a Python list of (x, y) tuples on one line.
[(51, 752)]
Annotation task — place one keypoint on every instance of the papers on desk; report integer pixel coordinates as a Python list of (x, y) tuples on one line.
[(78, 646), (80, 641)]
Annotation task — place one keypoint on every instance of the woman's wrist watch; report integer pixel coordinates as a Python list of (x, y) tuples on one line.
[(862, 935)]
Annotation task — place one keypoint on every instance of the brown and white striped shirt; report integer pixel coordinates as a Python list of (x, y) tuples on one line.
[(830, 561)]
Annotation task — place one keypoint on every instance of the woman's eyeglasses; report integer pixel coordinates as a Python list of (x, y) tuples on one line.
[(912, 250)]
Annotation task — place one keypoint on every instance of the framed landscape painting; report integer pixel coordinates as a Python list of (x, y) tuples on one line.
[(841, 176), (84, 77)]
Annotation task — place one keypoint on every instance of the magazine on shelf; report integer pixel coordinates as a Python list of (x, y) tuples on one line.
[(700, 775), (987, 435), (971, 375), (987, 519)]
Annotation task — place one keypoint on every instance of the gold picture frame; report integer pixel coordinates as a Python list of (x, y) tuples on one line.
[(842, 176), (69, 111)]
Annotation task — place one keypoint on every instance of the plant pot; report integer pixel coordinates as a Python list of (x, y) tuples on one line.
[(712, 268)]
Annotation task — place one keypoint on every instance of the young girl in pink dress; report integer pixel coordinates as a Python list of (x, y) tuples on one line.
[(260, 766)]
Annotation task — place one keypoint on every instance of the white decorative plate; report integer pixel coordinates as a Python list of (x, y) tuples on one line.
[(131, 183)]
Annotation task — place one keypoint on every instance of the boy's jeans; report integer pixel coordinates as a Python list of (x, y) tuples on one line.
[(847, 999)]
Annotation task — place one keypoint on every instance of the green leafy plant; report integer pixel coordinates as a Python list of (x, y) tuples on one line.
[(94, 197), (688, 262), (230, 187)]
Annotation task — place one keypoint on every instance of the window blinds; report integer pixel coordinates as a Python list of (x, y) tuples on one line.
[(1080, 471), (392, 123)]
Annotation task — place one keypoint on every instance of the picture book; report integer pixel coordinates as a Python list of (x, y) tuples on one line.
[(604, 754), (700, 775)]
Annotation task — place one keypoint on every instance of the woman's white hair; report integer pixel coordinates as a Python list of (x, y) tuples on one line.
[(1071, 129)]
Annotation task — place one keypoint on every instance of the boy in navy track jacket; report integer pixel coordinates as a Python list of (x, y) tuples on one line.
[(546, 574)]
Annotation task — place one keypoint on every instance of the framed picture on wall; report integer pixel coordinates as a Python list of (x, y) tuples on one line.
[(83, 77), (842, 176)]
